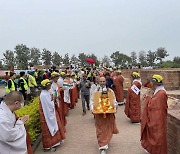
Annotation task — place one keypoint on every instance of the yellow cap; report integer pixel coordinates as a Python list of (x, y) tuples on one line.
[(114, 68), (45, 82), (118, 71), (157, 78), (73, 74), (135, 74), (62, 73), (54, 74)]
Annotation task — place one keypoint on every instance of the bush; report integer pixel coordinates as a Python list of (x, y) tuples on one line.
[(33, 124), (169, 64)]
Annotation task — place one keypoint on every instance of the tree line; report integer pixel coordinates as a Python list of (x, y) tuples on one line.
[(23, 56)]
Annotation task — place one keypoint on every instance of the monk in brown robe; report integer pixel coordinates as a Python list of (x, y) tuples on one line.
[(118, 80), (105, 127), (154, 119), (53, 130), (133, 106)]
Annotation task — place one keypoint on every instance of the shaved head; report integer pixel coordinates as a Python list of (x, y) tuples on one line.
[(12, 97), (102, 81)]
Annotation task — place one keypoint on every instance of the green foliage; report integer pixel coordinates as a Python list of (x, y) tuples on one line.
[(35, 55), (151, 57), (33, 124), (66, 59), (134, 58), (143, 58), (120, 59), (161, 53), (176, 60), (106, 61), (1, 66), (46, 57), (82, 57), (9, 60), (169, 64), (22, 56), (56, 59), (74, 60)]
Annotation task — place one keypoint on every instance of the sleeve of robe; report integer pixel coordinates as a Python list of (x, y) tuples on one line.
[(49, 113), (126, 110), (157, 112), (91, 104), (13, 134)]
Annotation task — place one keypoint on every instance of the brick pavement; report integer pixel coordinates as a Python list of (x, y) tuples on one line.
[(81, 135)]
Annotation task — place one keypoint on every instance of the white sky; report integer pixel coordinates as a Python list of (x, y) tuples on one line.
[(91, 26)]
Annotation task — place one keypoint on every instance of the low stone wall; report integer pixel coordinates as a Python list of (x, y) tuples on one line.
[(173, 128), (171, 77)]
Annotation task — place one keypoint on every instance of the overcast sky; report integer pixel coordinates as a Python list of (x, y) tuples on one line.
[(91, 26)]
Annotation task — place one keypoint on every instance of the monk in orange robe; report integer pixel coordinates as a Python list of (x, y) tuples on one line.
[(118, 80), (105, 127), (154, 119), (53, 130), (133, 106)]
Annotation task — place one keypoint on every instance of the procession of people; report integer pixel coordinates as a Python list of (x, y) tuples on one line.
[(100, 90)]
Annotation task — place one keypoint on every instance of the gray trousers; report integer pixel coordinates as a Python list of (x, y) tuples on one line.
[(85, 99)]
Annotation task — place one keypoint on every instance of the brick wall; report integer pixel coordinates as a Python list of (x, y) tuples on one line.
[(171, 77), (173, 128)]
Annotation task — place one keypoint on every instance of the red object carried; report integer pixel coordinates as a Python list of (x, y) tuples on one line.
[(90, 61)]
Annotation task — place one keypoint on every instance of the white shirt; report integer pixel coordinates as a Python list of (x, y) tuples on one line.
[(93, 88), (60, 81), (54, 91), (12, 132), (48, 108)]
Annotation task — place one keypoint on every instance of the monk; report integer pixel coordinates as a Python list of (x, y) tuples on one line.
[(13, 136), (118, 80), (105, 127), (133, 106), (55, 91), (154, 119), (51, 127), (67, 85)]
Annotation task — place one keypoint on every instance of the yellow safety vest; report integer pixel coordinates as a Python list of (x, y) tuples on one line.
[(25, 84), (32, 81), (12, 87), (89, 75)]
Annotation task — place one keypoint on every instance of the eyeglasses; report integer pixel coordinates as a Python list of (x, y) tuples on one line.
[(102, 81)]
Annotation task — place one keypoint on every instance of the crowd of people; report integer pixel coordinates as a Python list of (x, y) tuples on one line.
[(59, 93)]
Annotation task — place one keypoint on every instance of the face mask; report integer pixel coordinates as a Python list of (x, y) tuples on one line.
[(22, 105)]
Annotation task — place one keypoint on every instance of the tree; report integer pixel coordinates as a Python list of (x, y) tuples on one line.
[(82, 57), (74, 59), (134, 58), (35, 55), (22, 56), (176, 60), (161, 53), (1, 66), (46, 57), (120, 59), (9, 60), (106, 61), (142, 58), (56, 59), (66, 59), (151, 57)]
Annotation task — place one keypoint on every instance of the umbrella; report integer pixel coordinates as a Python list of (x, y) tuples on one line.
[(90, 61)]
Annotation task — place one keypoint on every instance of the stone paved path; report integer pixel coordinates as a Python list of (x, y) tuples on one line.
[(81, 135)]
